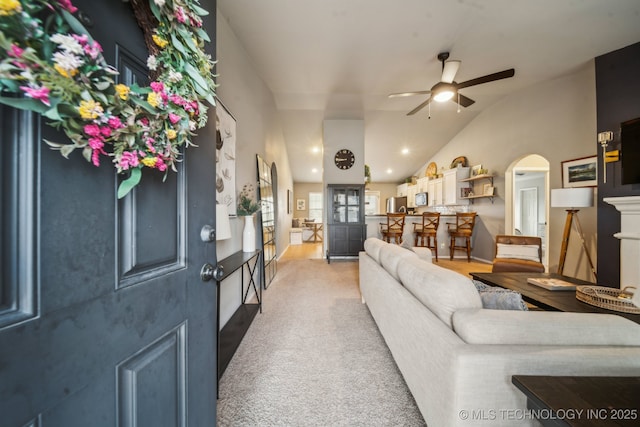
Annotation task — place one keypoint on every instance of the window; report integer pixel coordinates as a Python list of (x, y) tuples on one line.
[(315, 206)]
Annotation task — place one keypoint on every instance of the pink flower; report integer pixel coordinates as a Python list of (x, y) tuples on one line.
[(93, 50), (96, 144), (115, 122), (157, 86), (92, 130), (144, 121), (160, 164), (15, 51), (105, 131), (66, 4), (177, 99), (128, 160), (81, 38), (180, 16), (174, 118), (149, 144), (39, 93)]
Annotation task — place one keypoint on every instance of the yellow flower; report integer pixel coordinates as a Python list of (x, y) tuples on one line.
[(90, 109), (153, 99), (171, 134), (122, 91), (149, 161), (64, 72), (9, 7), (158, 40)]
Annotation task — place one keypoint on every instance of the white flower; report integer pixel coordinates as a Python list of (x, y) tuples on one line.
[(152, 62), (67, 43), (159, 3), (192, 125), (174, 76), (67, 61)]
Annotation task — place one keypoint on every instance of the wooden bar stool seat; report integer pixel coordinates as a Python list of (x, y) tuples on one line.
[(426, 233), (393, 228), (462, 229)]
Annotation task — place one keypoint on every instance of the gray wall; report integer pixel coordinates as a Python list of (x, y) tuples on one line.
[(259, 131)]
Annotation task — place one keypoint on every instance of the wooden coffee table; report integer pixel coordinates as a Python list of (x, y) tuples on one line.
[(580, 401), (543, 298)]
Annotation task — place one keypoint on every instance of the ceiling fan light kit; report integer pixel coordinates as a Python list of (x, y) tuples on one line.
[(447, 88)]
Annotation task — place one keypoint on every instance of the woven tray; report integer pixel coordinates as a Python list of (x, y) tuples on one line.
[(609, 298)]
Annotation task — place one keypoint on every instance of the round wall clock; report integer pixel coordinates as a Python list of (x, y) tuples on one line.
[(344, 159)]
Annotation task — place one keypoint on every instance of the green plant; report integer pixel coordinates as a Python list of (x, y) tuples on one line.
[(246, 201), (367, 174)]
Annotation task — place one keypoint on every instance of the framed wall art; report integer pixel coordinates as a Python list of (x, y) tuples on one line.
[(225, 158), (301, 205), (582, 172)]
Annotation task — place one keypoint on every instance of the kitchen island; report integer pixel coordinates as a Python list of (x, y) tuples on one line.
[(373, 229)]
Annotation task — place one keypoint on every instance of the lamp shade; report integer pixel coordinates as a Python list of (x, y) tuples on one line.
[(223, 228), (572, 197)]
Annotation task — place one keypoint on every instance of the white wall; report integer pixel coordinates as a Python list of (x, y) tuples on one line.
[(259, 131), (555, 119)]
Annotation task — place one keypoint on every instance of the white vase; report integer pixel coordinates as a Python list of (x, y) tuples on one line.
[(248, 235)]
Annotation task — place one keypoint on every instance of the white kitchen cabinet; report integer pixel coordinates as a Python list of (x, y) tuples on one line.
[(401, 190), (452, 186), (434, 188)]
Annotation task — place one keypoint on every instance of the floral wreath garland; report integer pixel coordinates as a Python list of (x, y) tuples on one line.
[(48, 56)]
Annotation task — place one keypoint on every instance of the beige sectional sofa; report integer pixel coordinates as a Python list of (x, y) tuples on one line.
[(457, 358)]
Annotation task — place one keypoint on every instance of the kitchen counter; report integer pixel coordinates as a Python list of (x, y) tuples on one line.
[(373, 229)]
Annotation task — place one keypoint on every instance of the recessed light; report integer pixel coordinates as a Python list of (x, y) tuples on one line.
[(405, 151), (314, 170), (315, 149), (389, 171)]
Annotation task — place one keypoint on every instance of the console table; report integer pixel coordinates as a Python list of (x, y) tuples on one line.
[(231, 335), (580, 401), (543, 298)]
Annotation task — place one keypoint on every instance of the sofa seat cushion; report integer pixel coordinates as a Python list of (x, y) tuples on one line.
[(482, 326), (496, 298), (442, 291), (392, 256)]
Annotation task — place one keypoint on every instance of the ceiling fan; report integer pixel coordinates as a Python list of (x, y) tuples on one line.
[(447, 88)]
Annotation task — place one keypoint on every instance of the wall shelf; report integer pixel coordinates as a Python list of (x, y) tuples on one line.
[(472, 180)]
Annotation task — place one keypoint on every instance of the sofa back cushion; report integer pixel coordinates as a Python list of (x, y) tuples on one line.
[(442, 291), (392, 256), (372, 247)]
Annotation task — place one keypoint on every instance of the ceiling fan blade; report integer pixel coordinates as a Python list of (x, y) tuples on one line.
[(449, 71), (488, 78), (419, 107), (463, 100), (401, 94)]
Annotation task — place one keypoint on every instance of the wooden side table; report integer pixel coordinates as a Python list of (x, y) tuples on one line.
[(581, 401)]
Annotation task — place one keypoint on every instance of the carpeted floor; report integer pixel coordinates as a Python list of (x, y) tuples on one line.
[(314, 357)]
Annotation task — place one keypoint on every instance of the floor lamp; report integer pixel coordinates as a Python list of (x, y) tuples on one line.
[(572, 198)]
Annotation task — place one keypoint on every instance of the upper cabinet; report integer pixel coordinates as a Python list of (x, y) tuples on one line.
[(452, 186)]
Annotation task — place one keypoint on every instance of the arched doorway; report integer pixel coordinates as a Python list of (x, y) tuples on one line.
[(527, 199)]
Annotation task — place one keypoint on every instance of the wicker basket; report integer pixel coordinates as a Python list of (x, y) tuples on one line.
[(609, 298)]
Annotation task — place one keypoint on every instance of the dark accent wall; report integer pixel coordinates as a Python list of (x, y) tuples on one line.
[(618, 100)]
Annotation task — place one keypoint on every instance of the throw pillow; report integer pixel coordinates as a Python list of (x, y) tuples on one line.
[(295, 223), (496, 298), (528, 252)]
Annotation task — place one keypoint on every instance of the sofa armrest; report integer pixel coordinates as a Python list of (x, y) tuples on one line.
[(482, 326)]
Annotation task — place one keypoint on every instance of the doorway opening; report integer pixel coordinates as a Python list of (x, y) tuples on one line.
[(527, 199)]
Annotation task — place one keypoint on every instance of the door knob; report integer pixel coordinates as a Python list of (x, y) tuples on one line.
[(209, 272)]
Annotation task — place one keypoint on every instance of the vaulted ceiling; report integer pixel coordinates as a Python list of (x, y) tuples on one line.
[(339, 59)]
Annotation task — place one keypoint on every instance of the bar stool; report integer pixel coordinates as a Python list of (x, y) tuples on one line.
[(393, 228), (427, 230), (463, 228)]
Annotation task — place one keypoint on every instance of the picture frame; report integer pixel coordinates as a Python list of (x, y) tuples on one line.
[(301, 205), (225, 157), (466, 191), (475, 170), (580, 172), (488, 190), (289, 202)]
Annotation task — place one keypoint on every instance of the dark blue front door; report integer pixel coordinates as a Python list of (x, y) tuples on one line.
[(104, 320)]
